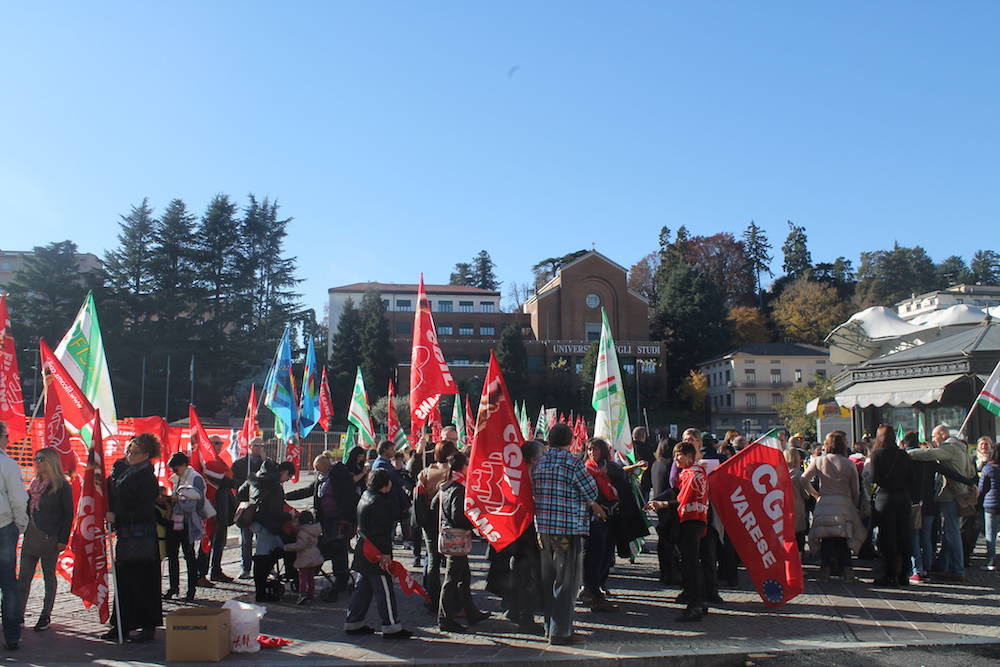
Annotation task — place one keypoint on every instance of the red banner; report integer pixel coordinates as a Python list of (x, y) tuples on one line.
[(90, 564), (60, 386), (250, 428), (293, 454), (752, 494), (429, 374), (498, 497), (325, 402), (11, 399)]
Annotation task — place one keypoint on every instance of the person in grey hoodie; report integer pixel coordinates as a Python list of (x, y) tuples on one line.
[(952, 454), (13, 522)]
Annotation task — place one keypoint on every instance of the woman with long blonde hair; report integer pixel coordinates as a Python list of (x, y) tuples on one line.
[(50, 517)]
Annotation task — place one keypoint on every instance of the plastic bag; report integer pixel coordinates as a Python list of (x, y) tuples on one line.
[(244, 625)]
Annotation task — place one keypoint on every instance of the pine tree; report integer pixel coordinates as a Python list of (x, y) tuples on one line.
[(758, 251), (377, 361), (512, 356), (219, 260), (888, 276), (798, 260), (462, 275), (483, 275), (952, 271), (345, 354), (129, 270), (985, 267), (173, 262)]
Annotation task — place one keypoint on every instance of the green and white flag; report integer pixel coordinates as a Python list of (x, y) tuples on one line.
[(348, 441), (900, 432), (921, 428), (358, 415), (525, 422), (989, 397), (770, 439), (542, 425), (81, 351), (609, 397), (458, 419)]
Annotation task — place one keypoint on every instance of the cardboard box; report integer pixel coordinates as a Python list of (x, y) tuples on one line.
[(198, 635)]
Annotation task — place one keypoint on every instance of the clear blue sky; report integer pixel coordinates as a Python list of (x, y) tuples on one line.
[(401, 138)]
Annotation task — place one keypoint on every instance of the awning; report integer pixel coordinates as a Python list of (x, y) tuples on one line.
[(896, 392)]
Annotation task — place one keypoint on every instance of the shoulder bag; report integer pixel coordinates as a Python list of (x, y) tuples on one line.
[(452, 541)]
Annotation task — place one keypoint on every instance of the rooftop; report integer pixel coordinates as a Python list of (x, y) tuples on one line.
[(411, 288), (772, 350)]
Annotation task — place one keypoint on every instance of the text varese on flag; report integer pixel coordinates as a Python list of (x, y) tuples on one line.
[(498, 498), (752, 494), (429, 373)]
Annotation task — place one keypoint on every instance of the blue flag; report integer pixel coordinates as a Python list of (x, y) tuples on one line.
[(309, 401), (279, 393)]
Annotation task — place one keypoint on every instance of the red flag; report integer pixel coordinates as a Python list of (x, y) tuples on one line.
[(434, 421), (392, 427), (77, 410), (498, 493), (752, 494), (207, 462), (293, 453), (429, 374), (470, 422), (90, 563), (407, 583), (250, 428), (56, 435), (325, 403), (11, 399)]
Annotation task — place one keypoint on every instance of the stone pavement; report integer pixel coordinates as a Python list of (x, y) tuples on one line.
[(826, 616)]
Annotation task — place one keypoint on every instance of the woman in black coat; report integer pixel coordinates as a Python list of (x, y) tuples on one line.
[(132, 494), (270, 516), (890, 471)]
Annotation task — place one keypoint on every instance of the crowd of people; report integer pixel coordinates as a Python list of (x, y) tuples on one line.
[(876, 498)]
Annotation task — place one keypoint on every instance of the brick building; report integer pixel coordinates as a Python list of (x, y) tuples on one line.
[(558, 323)]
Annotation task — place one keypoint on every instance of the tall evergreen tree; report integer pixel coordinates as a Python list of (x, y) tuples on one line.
[(345, 355), (220, 260), (886, 277), (173, 262), (462, 275), (483, 274), (985, 267), (512, 356), (798, 259), (758, 250), (129, 272), (377, 361), (952, 271)]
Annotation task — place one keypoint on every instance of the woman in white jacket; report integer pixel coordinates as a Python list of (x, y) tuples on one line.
[(187, 523)]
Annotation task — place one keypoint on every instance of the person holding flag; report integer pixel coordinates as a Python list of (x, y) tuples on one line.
[(13, 522)]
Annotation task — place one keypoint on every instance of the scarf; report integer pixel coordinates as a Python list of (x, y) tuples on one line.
[(604, 484), (35, 492), (458, 477)]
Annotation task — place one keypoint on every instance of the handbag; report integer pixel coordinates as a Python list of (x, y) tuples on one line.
[(245, 515), (452, 541), (137, 543)]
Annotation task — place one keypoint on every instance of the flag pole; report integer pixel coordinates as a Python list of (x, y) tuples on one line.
[(968, 415), (114, 581)]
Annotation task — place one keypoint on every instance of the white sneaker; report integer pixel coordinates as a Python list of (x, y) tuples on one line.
[(245, 574)]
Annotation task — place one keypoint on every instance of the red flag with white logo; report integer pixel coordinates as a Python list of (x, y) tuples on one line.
[(325, 403), (429, 374), (752, 494), (65, 399), (498, 498), (90, 563), (11, 398)]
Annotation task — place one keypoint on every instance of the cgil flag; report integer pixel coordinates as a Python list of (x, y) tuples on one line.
[(325, 402), (609, 397), (66, 406), (989, 397), (358, 413), (309, 410), (11, 397), (751, 492), (89, 580), (81, 352), (770, 439), (498, 498), (279, 390), (429, 373), (393, 429)]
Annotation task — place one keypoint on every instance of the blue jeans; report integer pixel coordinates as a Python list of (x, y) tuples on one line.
[(922, 557), (954, 559), (10, 607), (992, 522)]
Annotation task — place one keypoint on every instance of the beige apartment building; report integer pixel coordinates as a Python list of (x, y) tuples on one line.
[(746, 385)]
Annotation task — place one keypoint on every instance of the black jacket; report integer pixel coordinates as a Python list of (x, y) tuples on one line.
[(132, 493), (242, 472), (375, 524), (891, 471), (269, 497), (54, 515), (450, 503)]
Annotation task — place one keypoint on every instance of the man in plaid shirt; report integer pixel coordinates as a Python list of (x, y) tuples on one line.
[(565, 493)]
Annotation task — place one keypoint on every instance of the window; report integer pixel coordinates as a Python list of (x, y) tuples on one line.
[(751, 401), (729, 377), (385, 303), (775, 376), (776, 399), (536, 362), (821, 362), (750, 361), (444, 306), (593, 301), (592, 331), (404, 305), (820, 373), (775, 361), (466, 306), (487, 330), (466, 330), (729, 400), (798, 375), (709, 378), (459, 361), (751, 376), (487, 307), (444, 330), (404, 328)]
